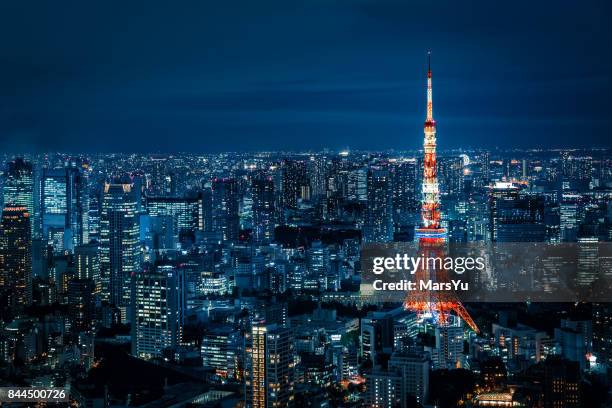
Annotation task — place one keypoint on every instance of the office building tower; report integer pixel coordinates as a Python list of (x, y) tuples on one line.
[(516, 217), (269, 370), (18, 188), (449, 345), (378, 224), (221, 350), (81, 304), (157, 307), (87, 264), (377, 335), (93, 216), (16, 256), (119, 243), (450, 175), (317, 262), (225, 214), (64, 202), (570, 209), (53, 200), (485, 163), (295, 183), (356, 185), (404, 191), (413, 368), (384, 389), (317, 174), (561, 386), (263, 209), (187, 213)]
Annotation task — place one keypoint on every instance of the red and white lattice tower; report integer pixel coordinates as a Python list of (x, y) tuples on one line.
[(431, 236)]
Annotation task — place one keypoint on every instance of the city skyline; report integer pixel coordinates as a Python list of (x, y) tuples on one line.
[(251, 205)]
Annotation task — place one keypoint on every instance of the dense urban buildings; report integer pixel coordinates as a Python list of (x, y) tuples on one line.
[(220, 279)]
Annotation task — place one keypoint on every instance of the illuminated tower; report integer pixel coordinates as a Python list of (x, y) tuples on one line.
[(431, 236)]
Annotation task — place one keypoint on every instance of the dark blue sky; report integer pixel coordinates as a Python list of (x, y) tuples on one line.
[(254, 75)]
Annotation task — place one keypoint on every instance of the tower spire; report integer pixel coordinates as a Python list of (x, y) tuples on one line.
[(429, 91)]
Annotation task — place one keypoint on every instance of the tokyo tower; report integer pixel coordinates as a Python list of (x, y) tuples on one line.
[(431, 236)]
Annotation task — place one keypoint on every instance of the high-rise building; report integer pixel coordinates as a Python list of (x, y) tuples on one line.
[(485, 166), (87, 264), (19, 187), (64, 202), (119, 243), (450, 175), (404, 191), (516, 217), (413, 367), (16, 255), (317, 261), (561, 387), (225, 214), (449, 345), (295, 182), (384, 389), (220, 349), (263, 209), (378, 225), (569, 213), (80, 304), (186, 212), (93, 216), (317, 173), (377, 335), (157, 308), (269, 369)]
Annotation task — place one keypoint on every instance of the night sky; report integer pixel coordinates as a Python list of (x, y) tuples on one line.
[(203, 76)]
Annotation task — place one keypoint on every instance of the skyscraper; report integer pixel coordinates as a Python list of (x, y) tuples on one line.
[(64, 205), (157, 311), (87, 264), (19, 187), (516, 217), (263, 209), (80, 304), (186, 212), (295, 183), (16, 256), (269, 373), (378, 225), (225, 215), (449, 344), (404, 191), (119, 245)]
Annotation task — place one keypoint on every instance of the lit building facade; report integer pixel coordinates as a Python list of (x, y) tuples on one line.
[(16, 255), (269, 370), (119, 243)]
